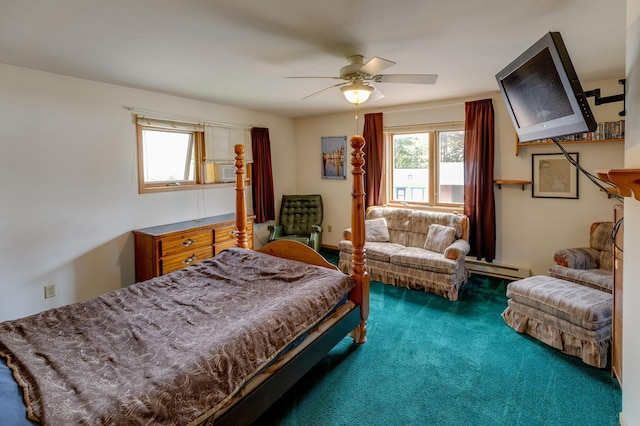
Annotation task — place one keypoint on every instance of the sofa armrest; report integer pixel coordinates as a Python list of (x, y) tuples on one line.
[(275, 231), (457, 250), (347, 234), (315, 239), (577, 258)]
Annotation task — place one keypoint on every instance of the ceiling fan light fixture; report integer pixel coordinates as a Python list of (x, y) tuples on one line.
[(356, 92)]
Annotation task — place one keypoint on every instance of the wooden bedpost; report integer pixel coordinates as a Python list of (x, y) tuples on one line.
[(359, 274), (241, 209)]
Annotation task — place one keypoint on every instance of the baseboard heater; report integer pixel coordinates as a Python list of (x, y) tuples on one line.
[(497, 270)]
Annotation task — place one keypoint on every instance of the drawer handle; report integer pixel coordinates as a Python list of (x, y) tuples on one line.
[(189, 259), (234, 232), (188, 242)]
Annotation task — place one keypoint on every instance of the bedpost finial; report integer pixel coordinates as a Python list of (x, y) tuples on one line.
[(357, 142), (357, 160)]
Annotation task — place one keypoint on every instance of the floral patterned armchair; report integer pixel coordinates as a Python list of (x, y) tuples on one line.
[(591, 266)]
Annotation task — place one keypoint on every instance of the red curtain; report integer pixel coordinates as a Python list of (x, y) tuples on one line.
[(262, 188), (373, 156), (479, 204)]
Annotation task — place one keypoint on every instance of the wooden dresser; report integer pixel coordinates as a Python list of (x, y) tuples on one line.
[(166, 248)]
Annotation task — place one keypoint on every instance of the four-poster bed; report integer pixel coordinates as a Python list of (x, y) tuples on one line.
[(152, 352)]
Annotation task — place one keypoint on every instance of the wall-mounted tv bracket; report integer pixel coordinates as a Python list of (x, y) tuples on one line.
[(608, 99)]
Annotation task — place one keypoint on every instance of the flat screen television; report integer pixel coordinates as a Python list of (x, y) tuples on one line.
[(543, 94)]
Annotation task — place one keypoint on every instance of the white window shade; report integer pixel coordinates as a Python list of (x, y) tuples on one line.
[(216, 143), (220, 142), (238, 136)]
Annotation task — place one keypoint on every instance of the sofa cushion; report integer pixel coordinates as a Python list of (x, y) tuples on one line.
[(420, 221), (599, 279), (426, 260), (381, 251), (376, 230), (304, 239), (439, 237), (397, 222), (600, 236)]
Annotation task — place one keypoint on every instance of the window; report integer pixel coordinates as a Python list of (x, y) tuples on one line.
[(169, 157), (181, 155), (426, 166)]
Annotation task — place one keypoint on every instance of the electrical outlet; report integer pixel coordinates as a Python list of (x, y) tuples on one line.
[(329, 228), (49, 291)]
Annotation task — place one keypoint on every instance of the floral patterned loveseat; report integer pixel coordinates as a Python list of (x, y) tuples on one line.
[(413, 248)]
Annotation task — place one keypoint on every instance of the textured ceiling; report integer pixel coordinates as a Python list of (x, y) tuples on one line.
[(237, 52)]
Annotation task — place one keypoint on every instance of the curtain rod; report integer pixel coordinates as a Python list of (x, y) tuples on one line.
[(444, 124), (190, 120), (421, 107)]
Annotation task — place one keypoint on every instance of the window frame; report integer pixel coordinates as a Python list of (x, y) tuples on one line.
[(197, 130), (178, 185), (432, 190)]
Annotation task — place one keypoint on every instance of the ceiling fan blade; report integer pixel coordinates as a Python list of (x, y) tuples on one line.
[(376, 95), (335, 78), (376, 65), (323, 90), (406, 78)]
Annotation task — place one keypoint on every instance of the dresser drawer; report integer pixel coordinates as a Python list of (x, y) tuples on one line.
[(183, 259), (225, 233), (225, 245), (186, 242)]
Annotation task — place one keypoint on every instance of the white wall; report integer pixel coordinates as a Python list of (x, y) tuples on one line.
[(69, 194), (631, 255), (544, 224)]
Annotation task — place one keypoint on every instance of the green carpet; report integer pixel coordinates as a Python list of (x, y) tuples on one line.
[(429, 361)]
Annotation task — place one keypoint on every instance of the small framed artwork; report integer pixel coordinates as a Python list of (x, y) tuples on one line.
[(334, 151), (554, 176)]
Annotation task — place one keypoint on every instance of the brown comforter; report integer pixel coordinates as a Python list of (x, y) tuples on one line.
[(168, 350)]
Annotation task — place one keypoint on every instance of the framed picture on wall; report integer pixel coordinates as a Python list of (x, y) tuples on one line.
[(334, 151), (554, 176)]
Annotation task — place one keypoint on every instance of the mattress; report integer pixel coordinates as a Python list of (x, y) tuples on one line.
[(169, 350)]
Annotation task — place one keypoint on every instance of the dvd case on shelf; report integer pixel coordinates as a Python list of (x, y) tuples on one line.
[(608, 130)]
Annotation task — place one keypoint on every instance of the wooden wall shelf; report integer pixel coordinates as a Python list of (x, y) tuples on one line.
[(605, 132), (501, 182), (550, 142), (627, 181)]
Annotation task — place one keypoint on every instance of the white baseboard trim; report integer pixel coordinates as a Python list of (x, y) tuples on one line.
[(497, 270)]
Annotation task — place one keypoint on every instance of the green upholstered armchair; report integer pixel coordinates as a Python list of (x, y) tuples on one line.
[(300, 220)]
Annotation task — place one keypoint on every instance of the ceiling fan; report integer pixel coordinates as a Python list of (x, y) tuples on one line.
[(358, 73)]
